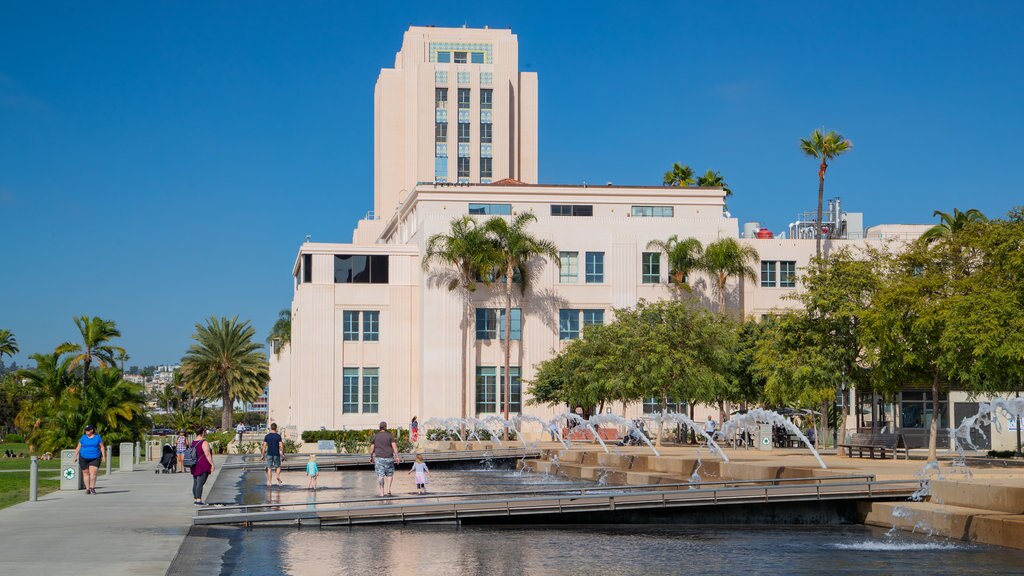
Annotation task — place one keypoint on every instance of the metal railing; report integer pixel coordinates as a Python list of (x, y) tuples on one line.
[(327, 460)]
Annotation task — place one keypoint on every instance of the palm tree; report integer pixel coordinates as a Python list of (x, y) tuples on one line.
[(824, 147), (464, 254), (112, 402), (96, 336), (951, 224), (123, 357), (224, 361), (713, 179), (724, 259), (679, 176), (281, 332), (515, 248), (8, 344), (683, 257)]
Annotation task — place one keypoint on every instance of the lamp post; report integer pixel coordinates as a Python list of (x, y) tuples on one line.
[(1019, 422)]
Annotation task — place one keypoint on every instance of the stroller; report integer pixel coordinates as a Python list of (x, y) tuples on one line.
[(168, 460)]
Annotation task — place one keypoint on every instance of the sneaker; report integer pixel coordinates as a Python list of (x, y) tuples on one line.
[(200, 503)]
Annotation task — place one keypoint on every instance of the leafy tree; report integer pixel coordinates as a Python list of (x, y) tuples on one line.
[(683, 257), (225, 362), (824, 147), (8, 344), (586, 371), (724, 259), (951, 224), (713, 179), (281, 332), (679, 176), (515, 251), (95, 345), (461, 256)]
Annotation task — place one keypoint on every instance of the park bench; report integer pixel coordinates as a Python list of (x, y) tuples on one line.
[(872, 442)]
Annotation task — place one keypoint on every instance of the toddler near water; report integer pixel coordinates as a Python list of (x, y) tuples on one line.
[(420, 473), (312, 471)]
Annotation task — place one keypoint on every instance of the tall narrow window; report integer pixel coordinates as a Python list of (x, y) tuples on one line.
[(787, 274), (463, 98), (371, 326), (486, 389), (515, 390), (307, 268), (350, 325), (568, 324), (486, 132), (651, 268), (516, 329), (371, 390), (595, 267), (485, 167), (463, 131), (768, 268), (440, 98), (569, 270), (463, 167), (441, 132), (486, 95), (350, 390)]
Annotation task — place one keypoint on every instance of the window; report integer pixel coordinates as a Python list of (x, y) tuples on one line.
[(360, 269), (653, 406), (591, 317), (568, 324), (653, 211), (515, 390), (350, 325), (463, 131), (916, 409), (485, 167), (440, 169), (444, 57), (350, 391), (371, 390), (486, 389), (463, 167), (460, 57), (441, 132), (595, 267), (572, 210), (463, 77), (307, 268), (768, 278), (569, 270), (463, 98), (440, 76), (486, 97), (486, 131), (476, 57), (787, 274), (491, 209), (650, 272), (486, 78), (490, 324), (371, 326), (440, 97)]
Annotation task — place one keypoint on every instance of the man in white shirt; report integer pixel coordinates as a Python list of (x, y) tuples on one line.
[(709, 427), (239, 429)]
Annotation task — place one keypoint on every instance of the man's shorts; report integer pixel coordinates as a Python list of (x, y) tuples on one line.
[(384, 467), (273, 462)]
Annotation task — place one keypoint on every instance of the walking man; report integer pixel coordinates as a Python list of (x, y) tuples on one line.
[(272, 444), (239, 430), (384, 456), (709, 427)]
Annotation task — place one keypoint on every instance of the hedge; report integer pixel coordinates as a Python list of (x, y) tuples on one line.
[(354, 441), (443, 435)]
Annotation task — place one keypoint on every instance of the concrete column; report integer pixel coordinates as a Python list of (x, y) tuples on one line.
[(110, 456), (138, 452), (33, 480), (127, 461)]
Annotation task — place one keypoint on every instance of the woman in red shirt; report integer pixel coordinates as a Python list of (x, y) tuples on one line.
[(204, 465)]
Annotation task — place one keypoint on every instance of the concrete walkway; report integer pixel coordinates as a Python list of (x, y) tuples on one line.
[(134, 524)]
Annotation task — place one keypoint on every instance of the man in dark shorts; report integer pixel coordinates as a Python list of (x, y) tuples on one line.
[(272, 443), (384, 456)]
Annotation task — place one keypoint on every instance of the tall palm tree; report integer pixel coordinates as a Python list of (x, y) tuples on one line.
[(515, 249), (951, 224), (8, 344), (224, 361), (281, 331), (123, 357), (95, 345), (112, 402), (824, 147), (679, 176), (724, 259), (683, 257), (464, 254), (713, 179)]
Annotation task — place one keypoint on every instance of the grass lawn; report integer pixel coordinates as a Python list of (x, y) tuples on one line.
[(14, 485)]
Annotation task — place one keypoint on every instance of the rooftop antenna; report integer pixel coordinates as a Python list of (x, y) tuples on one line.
[(308, 237)]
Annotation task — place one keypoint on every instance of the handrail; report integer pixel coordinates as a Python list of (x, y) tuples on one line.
[(329, 459)]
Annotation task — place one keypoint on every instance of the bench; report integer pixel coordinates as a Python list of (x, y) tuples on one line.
[(876, 442)]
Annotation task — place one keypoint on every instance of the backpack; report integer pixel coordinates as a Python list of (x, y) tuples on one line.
[(191, 455)]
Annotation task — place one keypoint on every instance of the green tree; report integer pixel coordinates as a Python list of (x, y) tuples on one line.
[(95, 345), (515, 251), (713, 179), (824, 147), (225, 362), (724, 259), (683, 257), (679, 176), (281, 332), (8, 344), (459, 257), (585, 372), (950, 224)]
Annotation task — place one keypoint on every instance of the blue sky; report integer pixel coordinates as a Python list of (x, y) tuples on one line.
[(162, 162)]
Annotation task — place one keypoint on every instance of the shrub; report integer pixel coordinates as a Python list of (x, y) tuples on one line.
[(355, 441), (442, 435), (14, 439), (290, 446), (219, 441), (1001, 453)]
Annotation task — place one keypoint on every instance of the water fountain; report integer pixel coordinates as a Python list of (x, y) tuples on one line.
[(606, 419), (749, 422), (683, 419), (586, 424)]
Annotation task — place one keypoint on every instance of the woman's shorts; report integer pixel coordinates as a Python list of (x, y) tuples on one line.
[(83, 463), (384, 467)]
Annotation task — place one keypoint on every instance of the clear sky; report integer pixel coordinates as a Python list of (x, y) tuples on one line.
[(161, 162)]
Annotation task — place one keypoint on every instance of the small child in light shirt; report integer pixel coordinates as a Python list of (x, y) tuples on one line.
[(312, 471), (420, 472)]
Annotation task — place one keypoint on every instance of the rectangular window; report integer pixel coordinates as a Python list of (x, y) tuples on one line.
[(360, 269), (371, 390), (569, 271), (486, 389), (350, 390), (515, 390), (444, 57), (568, 324), (651, 268), (652, 405), (572, 210), (486, 132), (653, 211), (350, 325), (463, 131), (486, 98), (491, 209), (307, 268), (516, 329), (463, 98), (787, 274), (463, 167), (490, 324), (440, 169), (595, 267), (768, 278), (476, 57), (485, 167), (440, 97), (371, 326), (591, 317), (460, 57), (441, 132)]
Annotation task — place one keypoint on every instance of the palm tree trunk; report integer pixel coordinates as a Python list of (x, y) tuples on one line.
[(821, 196), (933, 428), (465, 353), (722, 279), (85, 371), (225, 414), (507, 396)]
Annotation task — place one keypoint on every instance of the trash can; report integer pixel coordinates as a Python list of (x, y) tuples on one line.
[(127, 457), (153, 450), (764, 436), (70, 474)]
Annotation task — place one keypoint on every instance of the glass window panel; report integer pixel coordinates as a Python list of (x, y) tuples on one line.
[(460, 57), (568, 324), (444, 57), (486, 78), (515, 390), (476, 58), (371, 326), (787, 274), (516, 330), (463, 167), (441, 132), (491, 209), (486, 389), (350, 390), (350, 325), (463, 132), (464, 98), (569, 271), (371, 390), (307, 268), (595, 267), (591, 317), (651, 268), (441, 77), (486, 133), (486, 99), (379, 269), (485, 167), (486, 324), (768, 268)]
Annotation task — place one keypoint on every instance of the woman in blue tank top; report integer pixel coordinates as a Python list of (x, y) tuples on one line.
[(90, 454)]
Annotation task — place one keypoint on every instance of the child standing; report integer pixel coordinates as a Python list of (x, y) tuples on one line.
[(312, 471), (420, 473)]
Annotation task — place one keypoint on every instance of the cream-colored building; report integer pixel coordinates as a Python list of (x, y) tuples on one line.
[(375, 337)]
